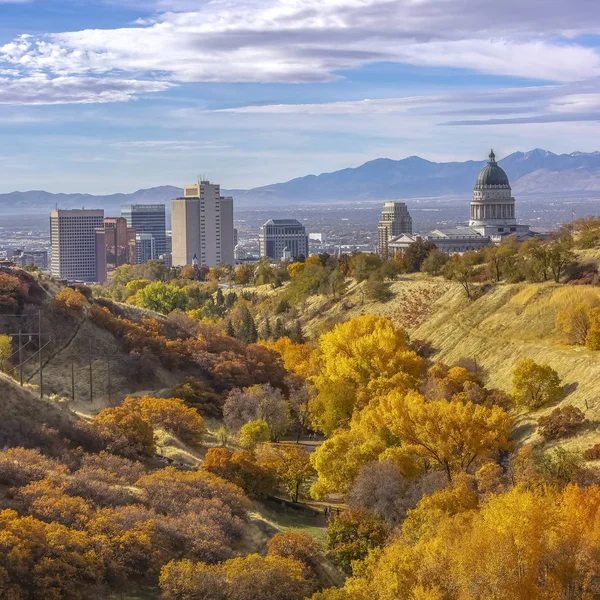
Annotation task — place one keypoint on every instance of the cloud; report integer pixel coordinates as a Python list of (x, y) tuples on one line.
[(169, 145), (41, 89), (312, 40)]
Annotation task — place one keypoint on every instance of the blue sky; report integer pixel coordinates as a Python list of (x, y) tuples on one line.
[(104, 96)]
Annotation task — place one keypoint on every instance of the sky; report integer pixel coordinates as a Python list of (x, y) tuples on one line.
[(103, 96)]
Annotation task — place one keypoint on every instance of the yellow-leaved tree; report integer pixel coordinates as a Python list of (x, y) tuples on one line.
[(453, 435), (360, 359)]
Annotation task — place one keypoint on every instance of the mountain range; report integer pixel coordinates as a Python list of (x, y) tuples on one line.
[(537, 172)]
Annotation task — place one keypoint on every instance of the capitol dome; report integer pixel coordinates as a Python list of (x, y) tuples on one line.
[(492, 205), (492, 175)]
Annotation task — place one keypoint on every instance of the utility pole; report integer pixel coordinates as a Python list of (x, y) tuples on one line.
[(20, 358), (40, 353), (108, 370), (72, 378), (91, 376)]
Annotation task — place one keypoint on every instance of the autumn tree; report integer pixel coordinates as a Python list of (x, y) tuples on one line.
[(125, 431), (291, 466), (435, 262), (263, 402), (560, 254), (360, 358), (298, 546), (241, 468), (382, 490), (170, 414), (252, 577), (352, 534), (575, 321), (6, 352), (561, 422), (71, 299), (535, 385), (453, 435)]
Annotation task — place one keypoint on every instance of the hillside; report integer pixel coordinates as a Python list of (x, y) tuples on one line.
[(506, 324)]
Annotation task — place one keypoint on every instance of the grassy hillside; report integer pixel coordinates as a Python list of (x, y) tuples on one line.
[(506, 324)]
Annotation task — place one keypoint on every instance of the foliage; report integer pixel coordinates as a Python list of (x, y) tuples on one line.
[(461, 268), (45, 560), (575, 322), (382, 490), (254, 433), (71, 299), (170, 414), (250, 578), (352, 534), (198, 394), (359, 358), (161, 297), (592, 453), (126, 431), (263, 402), (242, 469), (435, 262), (535, 385), (561, 422), (416, 253), (377, 289), (244, 274), (290, 465), (453, 435), (6, 352)]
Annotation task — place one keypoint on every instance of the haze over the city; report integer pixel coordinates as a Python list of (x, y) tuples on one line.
[(102, 96)]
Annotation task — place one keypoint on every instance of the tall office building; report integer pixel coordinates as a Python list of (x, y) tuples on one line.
[(145, 247), (202, 225), (148, 218), (395, 220), (115, 246), (73, 243), (283, 236)]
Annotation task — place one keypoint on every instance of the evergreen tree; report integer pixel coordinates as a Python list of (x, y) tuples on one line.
[(220, 297), (229, 329), (296, 334), (280, 330), (230, 299), (266, 332), (246, 330)]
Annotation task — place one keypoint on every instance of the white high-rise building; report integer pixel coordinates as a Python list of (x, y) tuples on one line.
[(202, 224), (73, 243)]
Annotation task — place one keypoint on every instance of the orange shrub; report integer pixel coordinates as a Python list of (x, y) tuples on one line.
[(71, 299)]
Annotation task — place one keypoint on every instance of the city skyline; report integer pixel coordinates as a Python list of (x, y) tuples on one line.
[(105, 97)]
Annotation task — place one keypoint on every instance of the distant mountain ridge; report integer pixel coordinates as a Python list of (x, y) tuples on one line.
[(535, 172)]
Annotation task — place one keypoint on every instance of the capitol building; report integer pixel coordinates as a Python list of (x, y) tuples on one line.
[(492, 217)]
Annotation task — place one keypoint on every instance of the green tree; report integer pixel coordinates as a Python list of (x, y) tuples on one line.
[(246, 328), (560, 254), (254, 433), (435, 262), (220, 299), (266, 332), (416, 253), (535, 385), (280, 330), (161, 297), (296, 334)]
